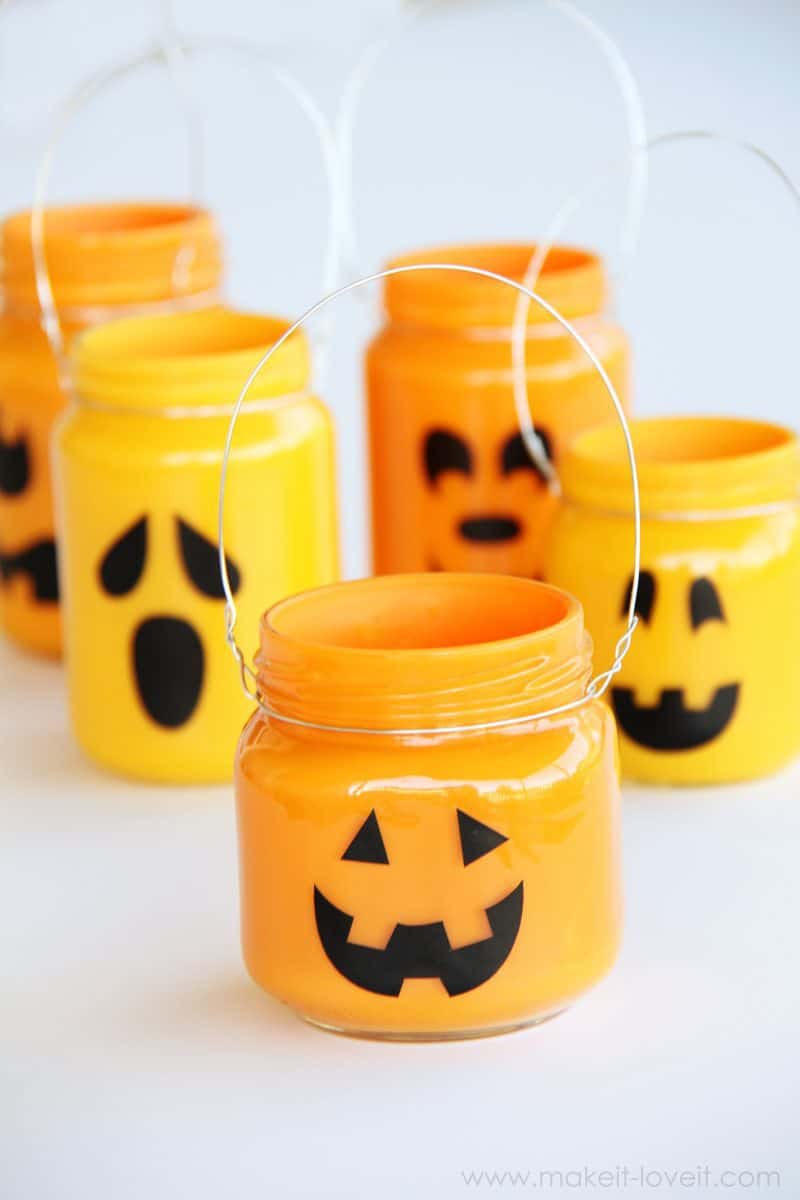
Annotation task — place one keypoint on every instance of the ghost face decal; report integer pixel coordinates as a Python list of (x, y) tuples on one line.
[(484, 501), (166, 650), (420, 951), (671, 724)]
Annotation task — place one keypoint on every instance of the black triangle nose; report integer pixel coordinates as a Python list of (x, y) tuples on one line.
[(168, 662)]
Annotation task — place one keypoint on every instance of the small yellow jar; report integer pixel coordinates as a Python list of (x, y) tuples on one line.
[(104, 260), (453, 485), (405, 871), (710, 690), (151, 689)]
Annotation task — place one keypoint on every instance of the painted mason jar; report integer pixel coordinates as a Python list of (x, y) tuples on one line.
[(407, 872), (453, 484), (103, 261), (138, 462), (709, 691)]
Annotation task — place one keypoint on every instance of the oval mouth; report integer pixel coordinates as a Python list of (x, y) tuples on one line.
[(168, 664), (490, 529)]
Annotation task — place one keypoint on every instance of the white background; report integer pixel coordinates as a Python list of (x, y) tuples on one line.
[(137, 1059)]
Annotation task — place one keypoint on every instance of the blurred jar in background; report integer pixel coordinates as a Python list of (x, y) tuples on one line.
[(153, 692), (453, 485), (104, 261)]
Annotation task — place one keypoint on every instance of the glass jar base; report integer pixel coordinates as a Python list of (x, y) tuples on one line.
[(462, 1035)]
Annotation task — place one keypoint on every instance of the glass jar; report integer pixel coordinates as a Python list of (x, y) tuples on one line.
[(710, 691), (453, 485), (103, 260), (138, 463), (425, 885)]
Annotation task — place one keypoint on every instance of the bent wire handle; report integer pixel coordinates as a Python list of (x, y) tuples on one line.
[(637, 164), (164, 53), (568, 209), (600, 683)]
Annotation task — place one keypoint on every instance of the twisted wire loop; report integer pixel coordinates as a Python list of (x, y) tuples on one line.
[(172, 52), (597, 686), (639, 152)]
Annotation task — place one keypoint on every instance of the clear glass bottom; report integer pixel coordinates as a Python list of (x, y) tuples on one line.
[(460, 1035)]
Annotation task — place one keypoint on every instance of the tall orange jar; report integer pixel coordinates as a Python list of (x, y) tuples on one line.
[(104, 261), (453, 485), (406, 872)]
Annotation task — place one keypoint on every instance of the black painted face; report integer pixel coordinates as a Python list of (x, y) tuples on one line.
[(37, 561), (445, 451), (670, 725), (420, 951), (166, 650)]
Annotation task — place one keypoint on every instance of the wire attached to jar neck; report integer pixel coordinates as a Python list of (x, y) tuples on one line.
[(598, 685)]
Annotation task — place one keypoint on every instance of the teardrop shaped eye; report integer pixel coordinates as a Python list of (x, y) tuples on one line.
[(477, 839), (704, 603), (367, 846), (123, 563), (201, 559), (645, 597), (15, 467)]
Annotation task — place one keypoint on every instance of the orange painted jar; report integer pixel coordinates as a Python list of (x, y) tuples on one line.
[(104, 261), (409, 868), (453, 484)]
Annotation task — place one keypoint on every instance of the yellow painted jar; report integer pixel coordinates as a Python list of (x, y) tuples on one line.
[(104, 260), (453, 485), (138, 462), (407, 872), (710, 691)]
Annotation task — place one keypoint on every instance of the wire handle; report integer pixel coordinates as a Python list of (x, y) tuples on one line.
[(599, 684), (628, 88), (171, 52), (568, 209)]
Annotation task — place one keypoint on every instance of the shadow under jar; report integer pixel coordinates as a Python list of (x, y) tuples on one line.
[(453, 485), (710, 691), (104, 261), (427, 885)]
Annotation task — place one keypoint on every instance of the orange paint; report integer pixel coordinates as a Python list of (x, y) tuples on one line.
[(104, 261), (453, 487), (494, 853)]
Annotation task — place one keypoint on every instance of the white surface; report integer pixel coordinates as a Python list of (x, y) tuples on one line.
[(137, 1059)]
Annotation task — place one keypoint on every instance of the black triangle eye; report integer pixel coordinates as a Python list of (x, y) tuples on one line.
[(15, 467), (645, 598), (704, 603), (367, 846), (122, 566), (201, 560), (477, 839)]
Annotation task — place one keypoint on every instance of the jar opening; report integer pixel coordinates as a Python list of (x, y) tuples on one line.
[(416, 650), (685, 464), (571, 279), (187, 359)]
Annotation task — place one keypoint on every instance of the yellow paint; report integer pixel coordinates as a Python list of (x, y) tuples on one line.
[(428, 651), (443, 362), (146, 442), (103, 260), (751, 644)]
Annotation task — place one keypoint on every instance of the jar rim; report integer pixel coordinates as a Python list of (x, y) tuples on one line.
[(414, 650), (187, 359), (572, 279), (685, 464)]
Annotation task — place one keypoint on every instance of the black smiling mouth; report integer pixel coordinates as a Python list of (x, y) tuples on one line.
[(419, 951), (670, 725), (490, 529)]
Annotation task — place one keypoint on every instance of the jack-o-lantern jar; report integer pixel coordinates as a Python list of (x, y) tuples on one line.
[(454, 487), (710, 691), (103, 261), (407, 872), (138, 463)]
